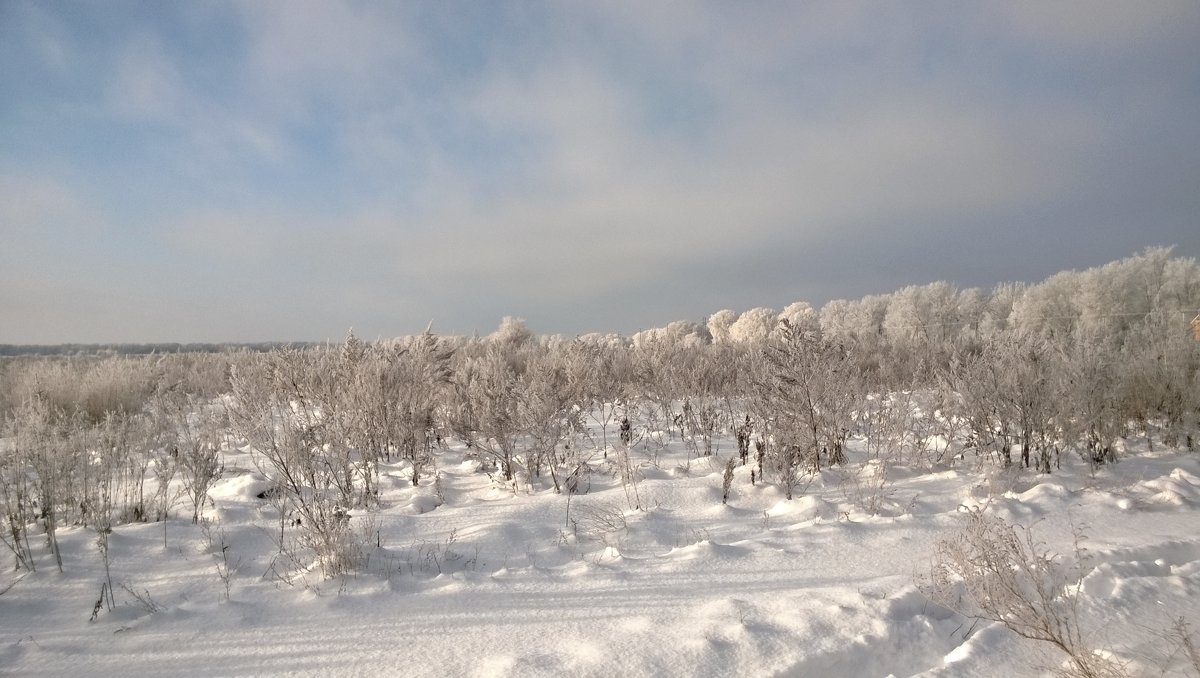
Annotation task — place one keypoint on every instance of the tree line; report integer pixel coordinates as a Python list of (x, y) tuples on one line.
[(927, 376)]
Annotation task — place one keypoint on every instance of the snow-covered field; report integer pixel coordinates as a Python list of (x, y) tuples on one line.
[(494, 582)]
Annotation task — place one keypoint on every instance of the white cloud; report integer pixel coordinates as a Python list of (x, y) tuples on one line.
[(339, 52)]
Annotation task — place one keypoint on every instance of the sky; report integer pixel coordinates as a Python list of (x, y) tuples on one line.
[(261, 171)]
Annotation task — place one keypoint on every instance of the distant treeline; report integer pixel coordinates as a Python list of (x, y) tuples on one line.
[(13, 350)]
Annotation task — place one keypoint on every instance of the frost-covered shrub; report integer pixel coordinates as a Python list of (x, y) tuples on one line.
[(90, 387), (274, 409), (600, 522), (994, 571), (807, 392)]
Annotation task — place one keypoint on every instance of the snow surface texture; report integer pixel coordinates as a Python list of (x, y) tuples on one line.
[(498, 581)]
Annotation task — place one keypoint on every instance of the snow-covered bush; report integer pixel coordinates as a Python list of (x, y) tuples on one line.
[(807, 393), (994, 571), (275, 409)]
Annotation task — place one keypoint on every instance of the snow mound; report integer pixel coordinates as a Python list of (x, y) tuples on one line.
[(804, 509), (424, 503), (239, 485), (1180, 488), (710, 551)]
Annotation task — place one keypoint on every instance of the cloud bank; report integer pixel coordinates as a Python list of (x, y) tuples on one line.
[(271, 170)]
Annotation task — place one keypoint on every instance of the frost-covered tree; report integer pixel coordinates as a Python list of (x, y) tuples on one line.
[(608, 340), (971, 305), (1089, 402), (922, 315), (1048, 309), (1180, 292), (754, 326), (549, 413), (708, 378), (677, 335), (869, 314), (978, 384), (402, 387), (807, 392), (600, 376), (858, 325), (799, 315), (998, 308), (1010, 394), (490, 391), (719, 324), (512, 333), (1030, 366), (836, 320)]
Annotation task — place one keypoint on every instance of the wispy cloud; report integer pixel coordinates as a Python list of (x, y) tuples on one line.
[(146, 87)]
